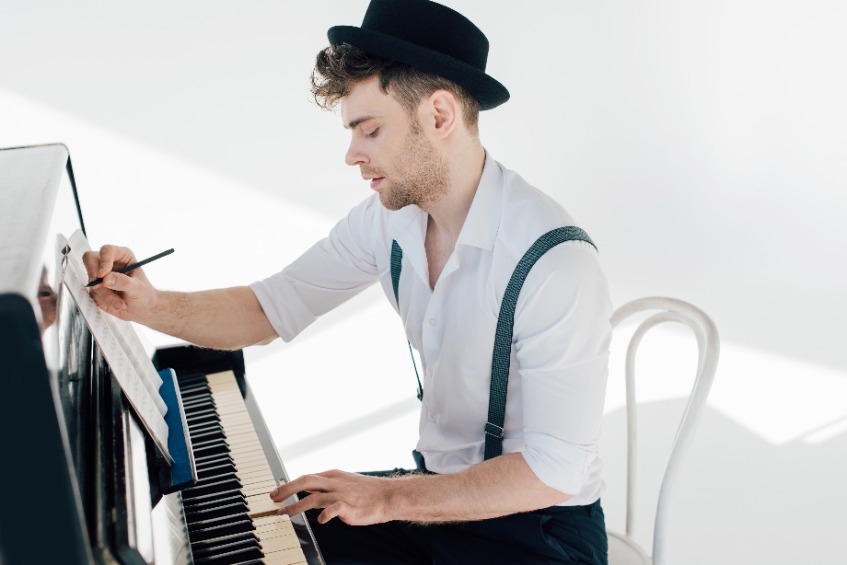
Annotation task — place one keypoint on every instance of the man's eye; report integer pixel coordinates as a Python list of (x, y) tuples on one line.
[(372, 133)]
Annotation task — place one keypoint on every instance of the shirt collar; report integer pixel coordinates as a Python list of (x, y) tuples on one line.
[(483, 220)]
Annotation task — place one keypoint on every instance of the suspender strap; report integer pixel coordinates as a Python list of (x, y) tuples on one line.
[(501, 356), (503, 335), (396, 267)]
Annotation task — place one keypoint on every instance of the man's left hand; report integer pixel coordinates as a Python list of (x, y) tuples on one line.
[(357, 500)]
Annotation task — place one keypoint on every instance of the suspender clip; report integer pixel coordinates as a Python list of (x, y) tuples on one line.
[(494, 430)]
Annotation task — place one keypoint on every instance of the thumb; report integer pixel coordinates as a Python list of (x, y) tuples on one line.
[(118, 282)]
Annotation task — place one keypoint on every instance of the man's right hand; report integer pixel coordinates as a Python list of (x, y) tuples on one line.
[(225, 318), (128, 296)]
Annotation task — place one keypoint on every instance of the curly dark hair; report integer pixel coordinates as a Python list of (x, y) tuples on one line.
[(339, 67)]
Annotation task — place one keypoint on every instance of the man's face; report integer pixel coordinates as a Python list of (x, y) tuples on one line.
[(391, 148)]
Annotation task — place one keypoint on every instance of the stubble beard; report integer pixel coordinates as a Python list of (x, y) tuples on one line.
[(422, 176)]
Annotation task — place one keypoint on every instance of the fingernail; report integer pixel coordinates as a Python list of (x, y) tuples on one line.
[(110, 280), (274, 492)]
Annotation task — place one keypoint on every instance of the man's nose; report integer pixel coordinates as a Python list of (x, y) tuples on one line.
[(355, 156)]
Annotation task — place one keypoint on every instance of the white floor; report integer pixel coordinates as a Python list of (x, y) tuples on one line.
[(764, 481)]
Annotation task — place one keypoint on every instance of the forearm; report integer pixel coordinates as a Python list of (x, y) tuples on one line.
[(497, 487), (228, 318)]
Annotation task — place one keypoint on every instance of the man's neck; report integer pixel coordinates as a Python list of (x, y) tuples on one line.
[(448, 213)]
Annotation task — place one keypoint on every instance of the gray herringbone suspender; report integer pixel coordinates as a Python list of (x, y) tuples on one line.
[(396, 267), (501, 356)]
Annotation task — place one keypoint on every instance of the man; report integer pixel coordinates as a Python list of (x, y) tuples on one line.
[(410, 82)]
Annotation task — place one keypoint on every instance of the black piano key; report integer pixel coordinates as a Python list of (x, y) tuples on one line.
[(198, 403), (204, 423), (193, 386), (213, 461), (220, 440), (208, 523), (202, 416), (197, 396), (207, 433), (186, 379), (224, 461), (233, 541), (200, 531), (216, 479), (202, 499), (212, 488), (208, 472), (219, 448), (209, 442), (206, 512), (219, 511), (213, 428), (206, 459), (203, 411), (236, 496), (237, 556), (206, 427)]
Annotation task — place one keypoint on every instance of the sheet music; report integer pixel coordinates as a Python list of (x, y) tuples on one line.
[(123, 330), (133, 371)]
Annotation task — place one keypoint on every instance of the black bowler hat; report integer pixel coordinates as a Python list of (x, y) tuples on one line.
[(429, 37)]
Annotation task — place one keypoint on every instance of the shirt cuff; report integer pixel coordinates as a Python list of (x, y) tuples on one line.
[(558, 464)]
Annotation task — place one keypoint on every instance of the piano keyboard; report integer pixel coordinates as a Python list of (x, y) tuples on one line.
[(231, 519)]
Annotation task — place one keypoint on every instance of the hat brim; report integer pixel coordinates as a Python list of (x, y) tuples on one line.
[(488, 91)]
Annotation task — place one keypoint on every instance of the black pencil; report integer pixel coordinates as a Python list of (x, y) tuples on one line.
[(134, 266)]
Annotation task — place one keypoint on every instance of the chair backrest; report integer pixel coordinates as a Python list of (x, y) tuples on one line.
[(708, 342)]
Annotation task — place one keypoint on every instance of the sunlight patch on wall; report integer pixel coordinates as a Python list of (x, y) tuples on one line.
[(780, 399)]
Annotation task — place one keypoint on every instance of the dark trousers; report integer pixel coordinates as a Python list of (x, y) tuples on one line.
[(559, 534)]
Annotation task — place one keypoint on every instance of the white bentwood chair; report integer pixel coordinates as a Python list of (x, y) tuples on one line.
[(623, 550)]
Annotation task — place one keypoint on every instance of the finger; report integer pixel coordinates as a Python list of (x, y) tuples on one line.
[(304, 504), (330, 512), (118, 282), (91, 260), (308, 483), (285, 490), (113, 257), (110, 302)]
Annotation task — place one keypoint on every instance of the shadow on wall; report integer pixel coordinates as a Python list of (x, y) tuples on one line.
[(739, 499)]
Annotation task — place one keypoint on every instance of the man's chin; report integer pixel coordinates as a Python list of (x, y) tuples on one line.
[(390, 203)]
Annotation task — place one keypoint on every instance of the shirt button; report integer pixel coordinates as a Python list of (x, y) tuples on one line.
[(432, 321)]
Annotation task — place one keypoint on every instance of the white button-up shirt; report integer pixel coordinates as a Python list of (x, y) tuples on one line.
[(559, 361)]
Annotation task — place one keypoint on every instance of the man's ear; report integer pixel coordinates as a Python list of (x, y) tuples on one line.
[(443, 112)]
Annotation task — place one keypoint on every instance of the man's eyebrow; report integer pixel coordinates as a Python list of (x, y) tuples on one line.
[(358, 121)]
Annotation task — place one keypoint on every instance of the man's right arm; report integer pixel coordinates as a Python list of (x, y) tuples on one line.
[(228, 318)]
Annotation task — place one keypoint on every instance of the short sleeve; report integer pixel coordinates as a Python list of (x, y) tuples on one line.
[(562, 336), (328, 274)]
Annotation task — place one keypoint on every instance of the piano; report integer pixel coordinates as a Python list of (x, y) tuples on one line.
[(82, 480)]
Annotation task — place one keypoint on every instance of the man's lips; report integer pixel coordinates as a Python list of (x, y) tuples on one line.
[(375, 181)]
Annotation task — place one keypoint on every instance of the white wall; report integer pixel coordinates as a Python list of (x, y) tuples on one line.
[(702, 145)]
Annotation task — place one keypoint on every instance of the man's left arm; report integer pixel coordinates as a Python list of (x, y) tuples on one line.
[(562, 336), (497, 487)]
